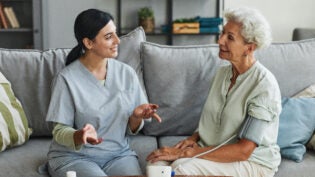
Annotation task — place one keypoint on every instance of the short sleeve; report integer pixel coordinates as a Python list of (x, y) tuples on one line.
[(61, 107)]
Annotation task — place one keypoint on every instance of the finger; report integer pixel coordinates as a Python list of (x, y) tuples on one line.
[(154, 154), (163, 158), (84, 138), (179, 145), (154, 106), (157, 117)]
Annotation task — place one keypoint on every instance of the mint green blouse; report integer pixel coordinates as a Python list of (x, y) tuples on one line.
[(255, 93)]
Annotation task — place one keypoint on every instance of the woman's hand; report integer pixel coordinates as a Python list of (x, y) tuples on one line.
[(165, 154), (190, 142), (86, 135), (141, 112), (146, 111), (187, 143)]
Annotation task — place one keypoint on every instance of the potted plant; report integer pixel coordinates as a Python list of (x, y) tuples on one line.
[(146, 19)]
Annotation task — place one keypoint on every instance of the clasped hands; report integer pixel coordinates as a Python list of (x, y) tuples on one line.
[(89, 135), (182, 149)]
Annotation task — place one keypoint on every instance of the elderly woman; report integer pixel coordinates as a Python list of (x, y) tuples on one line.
[(238, 128)]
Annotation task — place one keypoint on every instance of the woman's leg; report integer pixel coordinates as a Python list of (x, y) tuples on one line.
[(197, 166), (82, 168), (123, 166)]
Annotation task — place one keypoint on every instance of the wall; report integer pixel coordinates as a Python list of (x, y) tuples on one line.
[(283, 15), (59, 16)]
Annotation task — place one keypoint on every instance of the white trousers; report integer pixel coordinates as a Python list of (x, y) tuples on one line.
[(196, 166)]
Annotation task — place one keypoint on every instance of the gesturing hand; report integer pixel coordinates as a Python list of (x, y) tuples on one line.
[(86, 135), (146, 111)]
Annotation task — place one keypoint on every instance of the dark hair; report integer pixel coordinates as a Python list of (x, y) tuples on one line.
[(87, 25)]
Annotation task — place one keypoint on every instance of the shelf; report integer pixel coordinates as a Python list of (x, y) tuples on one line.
[(168, 22), (29, 32), (13, 30), (158, 31)]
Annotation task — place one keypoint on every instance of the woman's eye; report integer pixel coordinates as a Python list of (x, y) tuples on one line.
[(230, 37), (108, 36)]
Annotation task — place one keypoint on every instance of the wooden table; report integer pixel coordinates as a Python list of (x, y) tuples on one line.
[(176, 176)]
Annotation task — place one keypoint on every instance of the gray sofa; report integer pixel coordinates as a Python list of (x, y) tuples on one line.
[(175, 77)]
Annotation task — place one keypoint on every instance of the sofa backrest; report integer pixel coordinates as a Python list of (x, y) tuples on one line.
[(176, 77), (30, 73), (179, 77), (292, 63)]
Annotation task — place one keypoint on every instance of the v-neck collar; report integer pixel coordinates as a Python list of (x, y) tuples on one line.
[(93, 79)]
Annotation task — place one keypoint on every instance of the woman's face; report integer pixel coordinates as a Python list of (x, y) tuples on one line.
[(105, 44), (231, 42)]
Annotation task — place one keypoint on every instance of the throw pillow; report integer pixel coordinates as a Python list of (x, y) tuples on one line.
[(297, 124), (177, 78), (14, 129), (310, 93), (129, 51)]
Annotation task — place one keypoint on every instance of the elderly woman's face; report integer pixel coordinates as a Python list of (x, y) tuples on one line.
[(231, 42)]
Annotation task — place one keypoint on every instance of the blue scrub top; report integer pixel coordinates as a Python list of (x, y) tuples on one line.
[(78, 98)]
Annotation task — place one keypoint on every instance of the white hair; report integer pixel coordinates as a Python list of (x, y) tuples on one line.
[(255, 28)]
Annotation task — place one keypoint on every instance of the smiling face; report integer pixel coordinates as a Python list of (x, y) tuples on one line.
[(105, 44), (231, 42)]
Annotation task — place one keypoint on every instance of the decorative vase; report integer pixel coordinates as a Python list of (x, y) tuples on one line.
[(147, 24)]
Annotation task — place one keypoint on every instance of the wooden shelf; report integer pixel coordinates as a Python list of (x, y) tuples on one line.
[(12, 30), (169, 22), (28, 14)]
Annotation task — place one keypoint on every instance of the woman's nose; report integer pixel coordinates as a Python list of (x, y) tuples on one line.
[(220, 40), (117, 39)]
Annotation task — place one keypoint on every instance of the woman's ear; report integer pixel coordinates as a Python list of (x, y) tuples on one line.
[(251, 47), (87, 43)]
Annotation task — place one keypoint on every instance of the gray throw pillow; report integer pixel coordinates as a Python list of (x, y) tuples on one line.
[(178, 78), (129, 51)]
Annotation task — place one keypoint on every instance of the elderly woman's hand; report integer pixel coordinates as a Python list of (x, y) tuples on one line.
[(187, 143), (165, 154)]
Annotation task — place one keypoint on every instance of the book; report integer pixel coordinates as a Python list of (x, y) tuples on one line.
[(3, 17), (16, 21), (8, 15)]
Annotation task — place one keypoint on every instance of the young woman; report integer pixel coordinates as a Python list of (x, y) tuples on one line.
[(95, 101)]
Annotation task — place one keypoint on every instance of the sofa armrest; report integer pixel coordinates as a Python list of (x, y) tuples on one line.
[(303, 33)]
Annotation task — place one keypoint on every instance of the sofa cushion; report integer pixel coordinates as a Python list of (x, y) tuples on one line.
[(30, 73), (129, 51), (25, 160), (177, 78), (292, 63), (14, 128), (143, 146), (289, 168), (297, 124)]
